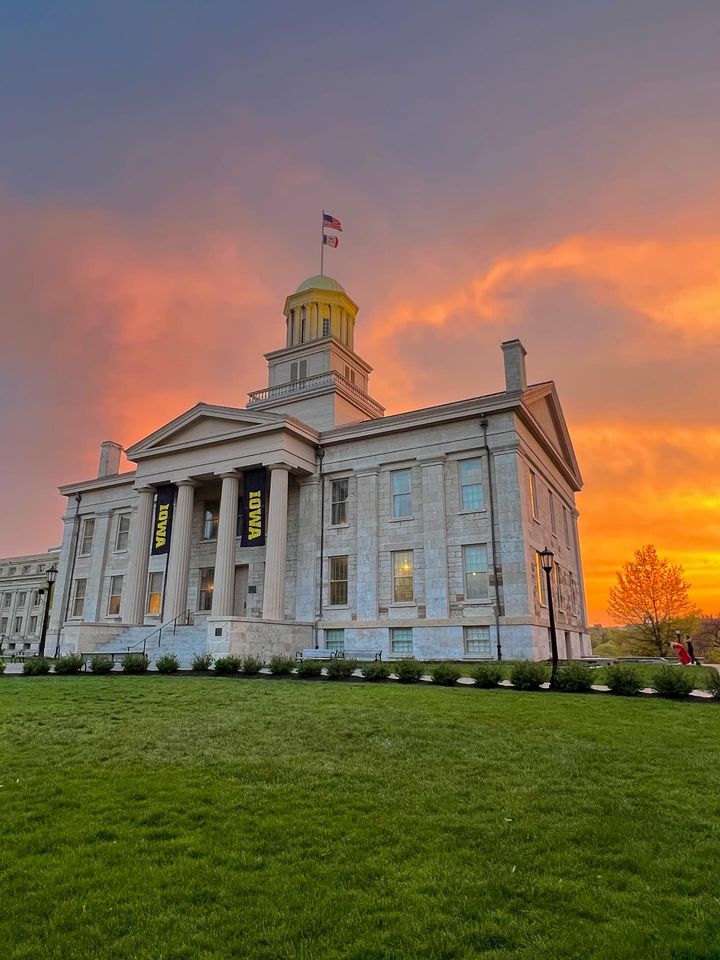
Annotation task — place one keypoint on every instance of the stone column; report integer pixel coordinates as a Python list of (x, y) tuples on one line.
[(135, 585), (179, 559), (224, 587), (276, 544), (435, 539), (367, 545)]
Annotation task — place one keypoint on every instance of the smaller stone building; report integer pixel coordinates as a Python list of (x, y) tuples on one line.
[(23, 595)]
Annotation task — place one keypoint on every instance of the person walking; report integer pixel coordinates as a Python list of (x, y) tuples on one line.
[(690, 649)]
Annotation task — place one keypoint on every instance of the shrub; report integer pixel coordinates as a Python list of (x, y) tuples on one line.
[(35, 666), (487, 675), (408, 670), (377, 670), (101, 664), (310, 668), (623, 680), (167, 664), (339, 669), (227, 665), (574, 678), (71, 663), (135, 662), (2, 666), (252, 665), (528, 675), (445, 674), (281, 666), (711, 682), (674, 682), (202, 662)]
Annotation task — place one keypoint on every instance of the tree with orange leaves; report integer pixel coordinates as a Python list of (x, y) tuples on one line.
[(651, 595)]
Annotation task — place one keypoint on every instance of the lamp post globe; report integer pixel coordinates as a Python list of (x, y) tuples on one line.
[(51, 576), (547, 558)]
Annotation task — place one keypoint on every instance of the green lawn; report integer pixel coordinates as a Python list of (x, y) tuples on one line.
[(166, 818)]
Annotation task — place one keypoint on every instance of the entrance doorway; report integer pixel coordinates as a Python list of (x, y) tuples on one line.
[(241, 591)]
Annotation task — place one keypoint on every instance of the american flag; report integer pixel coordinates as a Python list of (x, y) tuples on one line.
[(332, 222), (331, 241)]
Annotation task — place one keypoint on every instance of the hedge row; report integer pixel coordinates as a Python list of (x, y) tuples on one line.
[(621, 679)]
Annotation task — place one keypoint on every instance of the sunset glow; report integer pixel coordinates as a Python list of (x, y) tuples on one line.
[(157, 207)]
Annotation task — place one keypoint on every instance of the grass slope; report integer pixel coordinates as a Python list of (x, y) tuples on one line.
[(161, 818)]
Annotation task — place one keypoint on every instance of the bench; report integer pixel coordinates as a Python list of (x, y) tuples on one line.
[(322, 653)]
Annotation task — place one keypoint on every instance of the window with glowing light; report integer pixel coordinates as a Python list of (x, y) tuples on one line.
[(553, 521), (533, 496), (154, 597), (207, 585), (402, 562), (477, 585), (539, 574), (115, 596), (338, 581)]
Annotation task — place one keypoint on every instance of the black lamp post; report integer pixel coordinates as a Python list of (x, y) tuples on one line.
[(50, 575), (546, 558)]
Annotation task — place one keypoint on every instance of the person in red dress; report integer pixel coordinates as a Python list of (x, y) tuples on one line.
[(683, 655)]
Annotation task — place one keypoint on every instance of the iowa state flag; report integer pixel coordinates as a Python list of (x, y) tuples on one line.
[(331, 241)]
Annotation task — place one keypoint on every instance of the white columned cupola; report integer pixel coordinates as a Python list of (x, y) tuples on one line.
[(317, 376)]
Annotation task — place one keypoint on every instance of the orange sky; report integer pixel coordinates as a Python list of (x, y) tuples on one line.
[(548, 174)]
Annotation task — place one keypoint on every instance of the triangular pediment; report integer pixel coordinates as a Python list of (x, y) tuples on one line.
[(201, 424), (544, 405)]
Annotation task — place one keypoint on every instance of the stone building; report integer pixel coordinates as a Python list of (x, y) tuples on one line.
[(23, 595), (310, 519)]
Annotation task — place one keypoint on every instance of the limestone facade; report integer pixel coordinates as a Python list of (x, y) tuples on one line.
[(412, 534)]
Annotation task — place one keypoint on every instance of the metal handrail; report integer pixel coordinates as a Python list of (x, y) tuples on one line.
[(186, 615)]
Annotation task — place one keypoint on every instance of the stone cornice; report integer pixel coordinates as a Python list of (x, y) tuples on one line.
[(98, 483)]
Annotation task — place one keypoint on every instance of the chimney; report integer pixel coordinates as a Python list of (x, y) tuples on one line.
[(109, 458), (514, 356)]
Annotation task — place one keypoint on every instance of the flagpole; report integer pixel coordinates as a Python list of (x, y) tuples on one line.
[(322, 243)]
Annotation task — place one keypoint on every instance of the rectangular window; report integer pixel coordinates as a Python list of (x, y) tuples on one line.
[(123, 532), (551, 501), (21, 598), (566, 525), (25, 570), (78, 604), (338, 581), (18, 625), (558, 577), (477, 585), (303, 325), (3, 625), (41, 568), (326, 327), (539, 574), (335, 640), (401, 481), (116, 585), (401, 641), (477, 641), (293, 373), (207, 585), (11, 571), (7, 599), (33, 626), (35, 599), (86, 537), (533, 496), (402, 562), (154, 597), (339, 502), (211, 518), (471, 485)]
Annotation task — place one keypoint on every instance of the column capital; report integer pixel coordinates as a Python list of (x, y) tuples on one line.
[(279, 466), (228, 475), (146, 488), (186, 482)]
